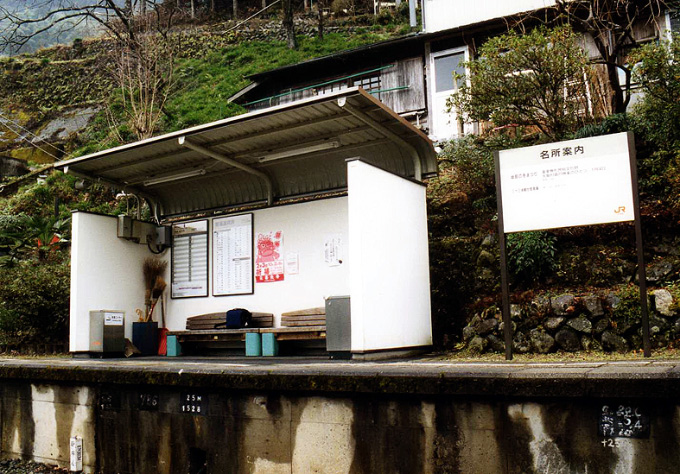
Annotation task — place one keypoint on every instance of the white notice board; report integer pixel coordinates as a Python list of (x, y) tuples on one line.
[(190, 259), (571, 183), (233, 255)]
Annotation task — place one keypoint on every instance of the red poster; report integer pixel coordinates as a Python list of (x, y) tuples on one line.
[(269, 259)]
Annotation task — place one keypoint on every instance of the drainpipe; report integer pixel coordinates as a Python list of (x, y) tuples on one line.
[(236, 164), (417, 166), (412, 13)]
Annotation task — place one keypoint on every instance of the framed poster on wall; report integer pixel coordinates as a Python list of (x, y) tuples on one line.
[(190, 259), (269, 263), (233, 255)]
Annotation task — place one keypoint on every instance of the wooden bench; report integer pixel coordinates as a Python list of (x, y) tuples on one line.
[(304, 317), (212, 335), (263, 340), (270, 337), (305, 333), (213, 320)]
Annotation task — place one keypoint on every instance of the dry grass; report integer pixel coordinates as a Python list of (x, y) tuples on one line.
[(466, 356)]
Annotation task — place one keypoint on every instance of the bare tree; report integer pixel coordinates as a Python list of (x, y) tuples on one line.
[(59, 16), (142, 61), (288, 25), (144, 73), (321, 5), (611, 24)]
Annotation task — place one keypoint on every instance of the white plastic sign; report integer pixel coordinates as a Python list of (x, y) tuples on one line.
[(564, 184), (113, 319), (76, 454)]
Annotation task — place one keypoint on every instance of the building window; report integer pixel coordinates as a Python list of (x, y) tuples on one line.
[(332, 87), (370, 83), (444, 68), (674, 21)]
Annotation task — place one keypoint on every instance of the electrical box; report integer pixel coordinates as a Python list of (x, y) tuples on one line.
[(125, 227), (338, 327), (136, 231), (164, 236), (107, 331)]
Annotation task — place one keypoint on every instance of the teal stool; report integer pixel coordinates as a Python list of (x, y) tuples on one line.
[(253, 344), (270, 346), (174, 347)]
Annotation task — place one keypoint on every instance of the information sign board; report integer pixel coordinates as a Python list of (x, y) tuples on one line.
[(563, 184)]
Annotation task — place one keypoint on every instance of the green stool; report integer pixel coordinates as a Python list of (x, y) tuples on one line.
[(174, 347), (270, 346), (253, 344)]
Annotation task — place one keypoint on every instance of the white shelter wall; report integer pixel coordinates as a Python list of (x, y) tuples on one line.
[(390, 274), (106, 273), (305, 227)]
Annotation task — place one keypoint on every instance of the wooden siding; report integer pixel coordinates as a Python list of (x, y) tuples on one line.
[(409, 72)]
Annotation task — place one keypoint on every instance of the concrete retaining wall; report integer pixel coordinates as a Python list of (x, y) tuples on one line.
[(158, 428), (273, 433)]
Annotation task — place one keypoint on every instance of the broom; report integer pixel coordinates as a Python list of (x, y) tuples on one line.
[(152, 269), (156, 294)]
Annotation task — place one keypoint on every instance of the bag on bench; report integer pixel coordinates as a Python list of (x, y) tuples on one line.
[(238, 318)]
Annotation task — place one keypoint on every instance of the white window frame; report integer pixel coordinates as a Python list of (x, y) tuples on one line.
[(433, 114)]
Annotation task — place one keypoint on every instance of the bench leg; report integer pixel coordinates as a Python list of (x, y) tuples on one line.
[(253, 344), (174, 348), (270, 346)]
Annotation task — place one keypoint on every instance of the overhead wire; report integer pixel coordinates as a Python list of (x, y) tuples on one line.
[(5, 120), (28, 131)]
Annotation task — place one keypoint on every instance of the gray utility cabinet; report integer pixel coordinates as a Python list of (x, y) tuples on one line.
[(338, 327), (107, 331)]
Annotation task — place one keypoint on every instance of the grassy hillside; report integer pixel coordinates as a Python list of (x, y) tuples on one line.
[(206, 83), (211, 65)]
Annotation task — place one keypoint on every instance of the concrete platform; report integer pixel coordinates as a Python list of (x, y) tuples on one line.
[(656, 379)]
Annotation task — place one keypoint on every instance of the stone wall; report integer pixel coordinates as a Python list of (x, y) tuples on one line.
[(601, 321)]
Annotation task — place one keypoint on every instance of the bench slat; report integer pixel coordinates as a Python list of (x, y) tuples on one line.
[(303, 312)]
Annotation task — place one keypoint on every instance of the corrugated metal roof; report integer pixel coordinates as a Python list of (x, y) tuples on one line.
[(290, 150)]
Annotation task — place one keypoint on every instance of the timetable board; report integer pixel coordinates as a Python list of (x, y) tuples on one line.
[(233, 255), (190, 259)]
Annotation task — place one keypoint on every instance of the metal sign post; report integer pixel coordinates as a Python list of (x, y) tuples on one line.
[(573, 183), (642, 274), (505, 286)]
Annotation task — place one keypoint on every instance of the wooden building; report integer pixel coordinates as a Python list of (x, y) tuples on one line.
[(413, 75)]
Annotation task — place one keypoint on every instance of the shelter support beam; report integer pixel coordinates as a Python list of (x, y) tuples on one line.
[(236, 164), (417, 166), (152, 200)]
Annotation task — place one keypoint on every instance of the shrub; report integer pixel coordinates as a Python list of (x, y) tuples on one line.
[(657, 70), (534, 79), (34, 302), (474, 165), (611, 124), (531, 255)]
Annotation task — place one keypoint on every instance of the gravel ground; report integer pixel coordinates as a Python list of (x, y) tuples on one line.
[(16, 466)]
